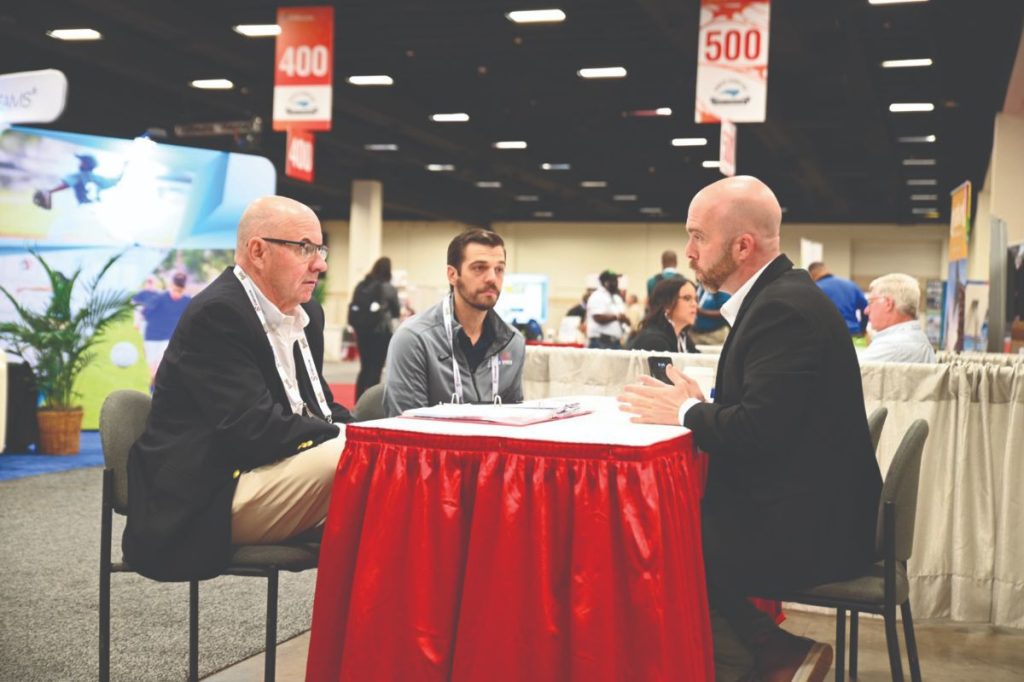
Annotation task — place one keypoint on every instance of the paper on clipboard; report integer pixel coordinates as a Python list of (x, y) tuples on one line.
[(507, 415)]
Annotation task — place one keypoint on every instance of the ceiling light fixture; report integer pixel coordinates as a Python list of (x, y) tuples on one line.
[(527, 197), (711, 164), (930, 211), (916, 138), (918, 162), (555, 166), (450, 118), (75, 34), (440, 167), (258, 30), (510, 144), (592, 184), (893, 2), (602, 72), (907, 107), (371, 80), (651, 210), (536, 16), (388, 147), (488, 184), (663, 111), (922, 182), (212, 84), (624, 197), (543, 214), (924, 197), (905, 63), (689, 141)]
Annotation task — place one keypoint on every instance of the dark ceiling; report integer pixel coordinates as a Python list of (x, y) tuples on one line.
[(829, 146)]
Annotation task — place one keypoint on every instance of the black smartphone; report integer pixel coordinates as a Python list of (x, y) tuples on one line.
[(658, 365)]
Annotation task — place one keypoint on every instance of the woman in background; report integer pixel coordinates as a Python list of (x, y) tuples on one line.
[(673, 309), (379, 299)]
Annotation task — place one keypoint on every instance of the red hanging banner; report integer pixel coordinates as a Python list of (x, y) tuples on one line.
[(303, 68), (298, 155), (732, 61)]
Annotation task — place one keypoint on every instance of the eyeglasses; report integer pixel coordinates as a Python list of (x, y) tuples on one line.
[(306, 249)]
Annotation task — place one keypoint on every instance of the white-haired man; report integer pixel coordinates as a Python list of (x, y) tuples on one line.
[(892, 314)]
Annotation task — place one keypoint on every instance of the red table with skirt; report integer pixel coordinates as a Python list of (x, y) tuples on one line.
[(569, 550)]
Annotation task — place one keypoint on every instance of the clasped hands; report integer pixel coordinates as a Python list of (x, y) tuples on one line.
[(655, 402)]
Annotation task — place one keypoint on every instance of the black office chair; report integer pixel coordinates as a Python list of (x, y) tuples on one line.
[(122, 421), (370, 404), (885, 585), (876, 420)]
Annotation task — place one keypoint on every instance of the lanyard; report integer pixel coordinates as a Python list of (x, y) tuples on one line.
[(680, 344), (290, 387), (446, 309)]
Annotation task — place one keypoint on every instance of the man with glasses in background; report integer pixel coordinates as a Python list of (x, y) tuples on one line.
[(243, 438), (896, 334)]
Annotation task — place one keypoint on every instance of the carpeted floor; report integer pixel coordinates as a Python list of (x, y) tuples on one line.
[(50, 527)]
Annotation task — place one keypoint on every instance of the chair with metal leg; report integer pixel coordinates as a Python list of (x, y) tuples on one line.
[(122, 420), (884, 587)]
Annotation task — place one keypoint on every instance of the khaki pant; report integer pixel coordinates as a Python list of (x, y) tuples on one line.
[(282, 499)]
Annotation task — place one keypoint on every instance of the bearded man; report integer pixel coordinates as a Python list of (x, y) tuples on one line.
[(459, 350), (793, 486)]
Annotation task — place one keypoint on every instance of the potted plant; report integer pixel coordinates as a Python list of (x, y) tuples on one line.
[(57, 343)]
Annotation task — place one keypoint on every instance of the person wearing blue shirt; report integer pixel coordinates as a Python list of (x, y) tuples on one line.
[(710, 328), (161, 310), (846, 296)]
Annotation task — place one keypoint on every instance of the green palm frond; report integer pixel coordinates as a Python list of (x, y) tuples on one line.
[(58, 341)]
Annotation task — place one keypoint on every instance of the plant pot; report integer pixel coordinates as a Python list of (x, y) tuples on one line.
[(60, 431)]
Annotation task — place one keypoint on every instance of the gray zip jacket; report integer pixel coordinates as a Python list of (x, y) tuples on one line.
[(419, 365)]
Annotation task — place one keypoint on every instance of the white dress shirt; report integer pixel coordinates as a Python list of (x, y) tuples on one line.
[(730, 309), (903, 342), (284, 331)]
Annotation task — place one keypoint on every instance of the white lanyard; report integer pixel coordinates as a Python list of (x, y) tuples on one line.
[(290, 387), (680, 344), (446, 309)]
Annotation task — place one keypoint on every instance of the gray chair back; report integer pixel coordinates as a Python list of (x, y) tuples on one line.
[(122, 420), (900, 488), (370, 404), (876, 420)]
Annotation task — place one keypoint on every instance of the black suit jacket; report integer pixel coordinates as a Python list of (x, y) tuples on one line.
[(218, 408), (792, 474)]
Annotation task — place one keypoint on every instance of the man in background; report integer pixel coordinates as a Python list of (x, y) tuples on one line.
[(459, 350), (892, 315), (792, 490), (161, 311), (847, 296), (669, 265), (607, 322), (711, 327)]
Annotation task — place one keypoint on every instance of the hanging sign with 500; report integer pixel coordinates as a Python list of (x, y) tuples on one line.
[(732, 61)]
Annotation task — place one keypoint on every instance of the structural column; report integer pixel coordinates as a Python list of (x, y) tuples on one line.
[(365, 229)]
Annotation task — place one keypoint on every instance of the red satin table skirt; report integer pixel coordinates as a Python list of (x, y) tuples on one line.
[(488, 559)]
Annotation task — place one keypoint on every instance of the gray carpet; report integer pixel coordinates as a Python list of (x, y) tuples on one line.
[(49, 587)]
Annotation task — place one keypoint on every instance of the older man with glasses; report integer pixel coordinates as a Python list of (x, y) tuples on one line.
[(892, 317), (243, 439)]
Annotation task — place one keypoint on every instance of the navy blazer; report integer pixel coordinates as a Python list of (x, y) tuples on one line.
[(219, 407), (791, 469)]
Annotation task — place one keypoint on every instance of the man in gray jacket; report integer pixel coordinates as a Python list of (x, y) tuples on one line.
[(459, 350)]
